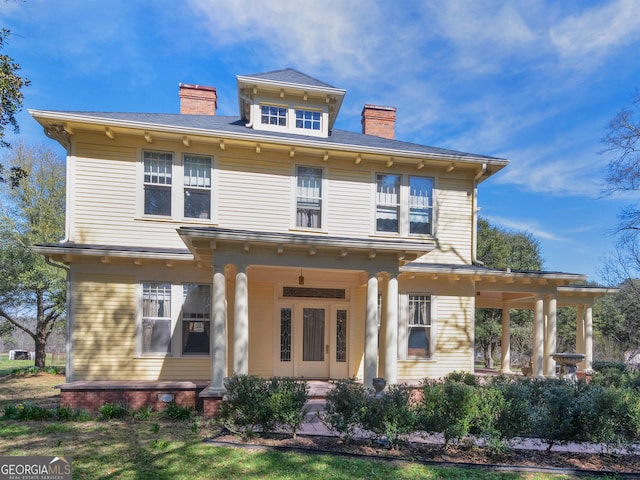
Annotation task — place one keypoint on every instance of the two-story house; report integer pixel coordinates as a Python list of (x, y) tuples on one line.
[(273, 244)]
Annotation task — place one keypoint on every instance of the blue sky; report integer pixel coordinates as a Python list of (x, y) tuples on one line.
[(532, 81)]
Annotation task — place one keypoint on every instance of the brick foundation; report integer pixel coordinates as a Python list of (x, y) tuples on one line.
[(92, 395)]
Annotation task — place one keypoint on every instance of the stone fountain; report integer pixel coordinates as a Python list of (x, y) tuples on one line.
[(568, 364)]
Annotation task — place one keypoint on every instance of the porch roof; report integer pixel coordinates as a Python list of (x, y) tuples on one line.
[(204, 241)]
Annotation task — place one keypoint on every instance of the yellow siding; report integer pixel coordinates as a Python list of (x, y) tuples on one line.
[(453, 222), (254, 192), (350, 211), (261, 343), (104, 333)]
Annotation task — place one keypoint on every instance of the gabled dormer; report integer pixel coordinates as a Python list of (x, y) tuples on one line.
[(288, 101)]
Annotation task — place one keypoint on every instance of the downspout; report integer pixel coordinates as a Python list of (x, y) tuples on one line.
[(474, 216)]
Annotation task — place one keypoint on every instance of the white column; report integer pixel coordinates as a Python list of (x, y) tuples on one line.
[(391, 332), (505, 344), (371, 331), (550, 339), (241, 324), (580, 334), (588, 339), (218, 345), (538, 338)]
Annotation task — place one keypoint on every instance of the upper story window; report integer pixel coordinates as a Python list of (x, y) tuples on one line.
[(309, 197), (273, 115), (404, 204), (157, 183), (176, 190), (197, 186), (290, 116), (420, 205), (387, 203), (308, 119)]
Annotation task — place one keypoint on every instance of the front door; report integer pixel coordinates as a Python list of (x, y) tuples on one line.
[(314, 340)]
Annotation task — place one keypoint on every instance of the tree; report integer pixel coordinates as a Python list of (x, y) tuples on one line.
[(32, 212), (11, 84), (498, 248), (622, 140)]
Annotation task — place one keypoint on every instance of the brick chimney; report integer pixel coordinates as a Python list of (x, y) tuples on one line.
[(198, 99), (379, 121)]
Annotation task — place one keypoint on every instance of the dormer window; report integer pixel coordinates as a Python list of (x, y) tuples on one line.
[(273, 115), (308, 120)]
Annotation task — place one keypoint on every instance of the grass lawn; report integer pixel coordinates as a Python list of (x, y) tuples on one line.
[(157, 448)]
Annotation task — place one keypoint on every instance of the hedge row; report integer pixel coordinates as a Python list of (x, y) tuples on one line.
[(499, 410)]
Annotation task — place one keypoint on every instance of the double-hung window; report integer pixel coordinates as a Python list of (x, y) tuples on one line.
[(404, 204), (197, 186), (388, 203), (156, 318), (420, 205), (308, 197), (196, 319), (419, 326), (157, 183)]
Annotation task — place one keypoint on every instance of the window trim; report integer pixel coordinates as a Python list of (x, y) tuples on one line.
[(291, 105), (323, 199), (404, 207), (177, 188), (403, 324), (176, 319)]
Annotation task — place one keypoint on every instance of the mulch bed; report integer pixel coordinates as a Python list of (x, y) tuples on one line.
[(534, 460)]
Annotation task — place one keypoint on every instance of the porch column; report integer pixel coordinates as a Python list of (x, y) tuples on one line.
[(241, 324), (580, 334), (505, 344), (588, 338), (550, 339), (538, 338), (218, 345), (371, 331), (391, 332)]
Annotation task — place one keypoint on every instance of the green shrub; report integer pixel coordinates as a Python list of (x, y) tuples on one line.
[(27, 411), (70, 414), (345, 407), (389, 414), (514, 417), (110, 411), (177, 412), (556, 412), (243, 408), (143, 413), (286, 401)]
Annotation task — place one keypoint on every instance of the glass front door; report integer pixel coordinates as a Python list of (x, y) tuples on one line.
[(314, 361)]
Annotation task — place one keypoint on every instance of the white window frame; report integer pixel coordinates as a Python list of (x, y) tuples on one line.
[(155, 184), (313, 121), (205, 319), (177, 188), (208, 188), (404, 206), (404, 327), (151, 318), (291, 108), (176, 319), (323, 199)]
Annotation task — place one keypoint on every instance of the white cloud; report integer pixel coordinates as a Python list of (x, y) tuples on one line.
[(585, 38), (525, 225)]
